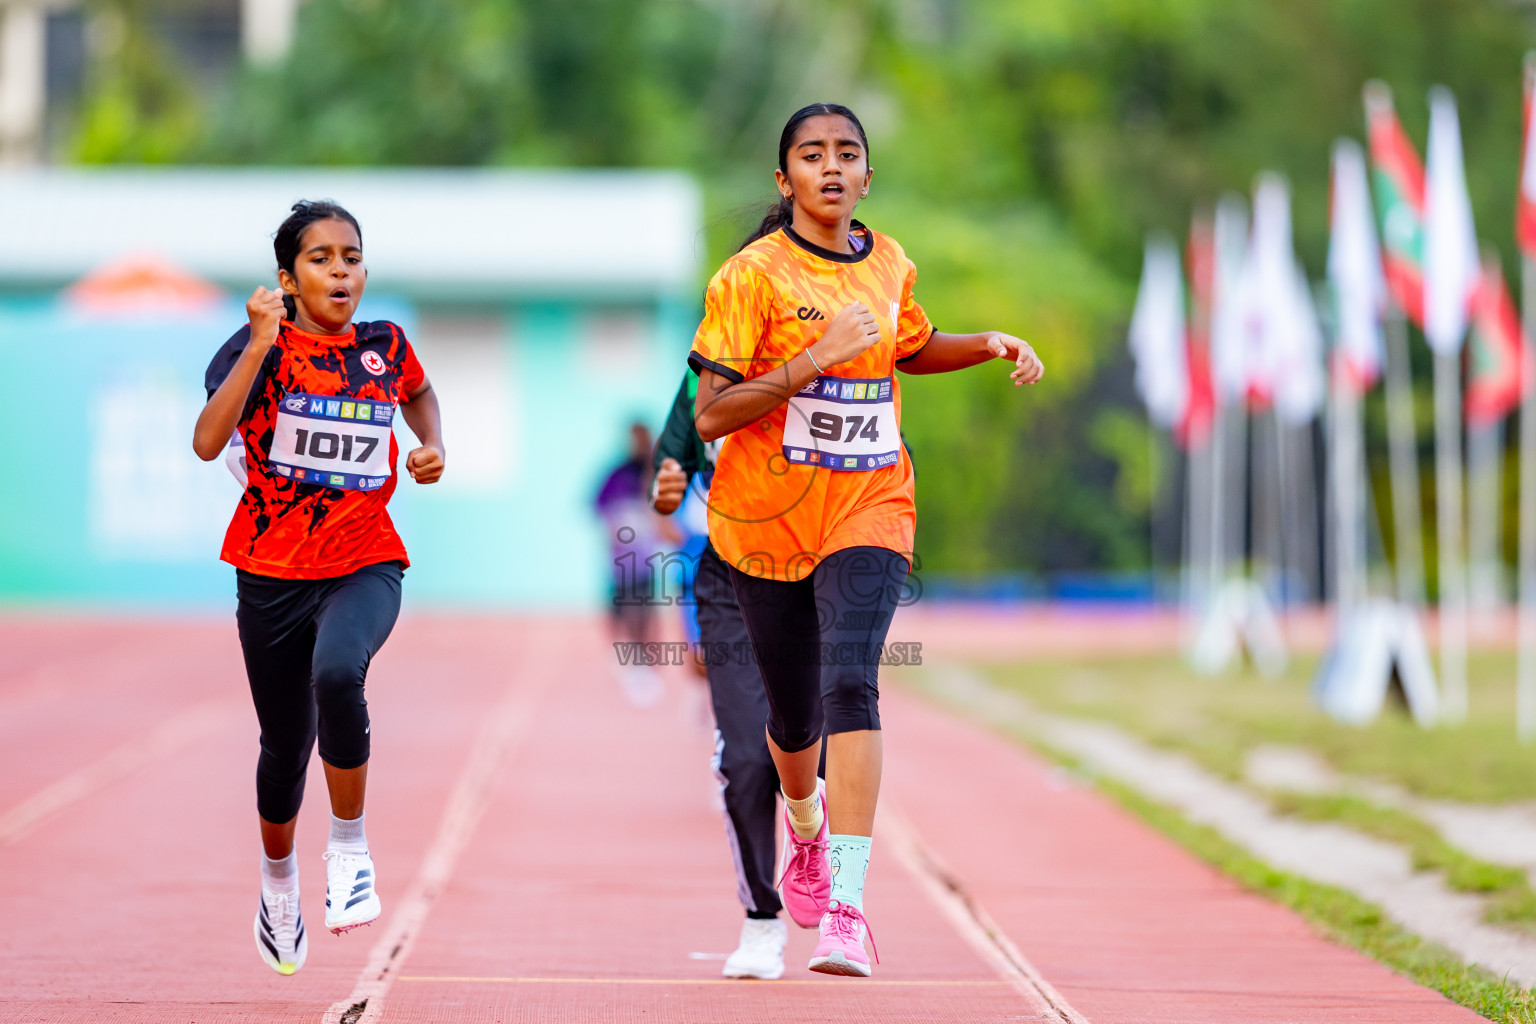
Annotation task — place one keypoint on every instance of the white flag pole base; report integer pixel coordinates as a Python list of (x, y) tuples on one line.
[(1239, 618), (1379, 642)]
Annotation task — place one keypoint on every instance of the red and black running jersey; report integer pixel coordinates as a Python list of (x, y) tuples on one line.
[(333, 399)]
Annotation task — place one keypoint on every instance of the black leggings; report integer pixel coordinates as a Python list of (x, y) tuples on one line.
[(817, 642), (307, 646), (749, 782)]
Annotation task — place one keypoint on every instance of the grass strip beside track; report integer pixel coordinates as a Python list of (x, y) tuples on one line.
[(1336, 913), (1340, 915), (1218, 721), (1510, 899)]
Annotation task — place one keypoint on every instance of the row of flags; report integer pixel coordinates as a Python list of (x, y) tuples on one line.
[(1249, 330)]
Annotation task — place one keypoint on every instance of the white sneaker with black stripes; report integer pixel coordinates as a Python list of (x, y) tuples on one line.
[(280, 937), (350, 898)]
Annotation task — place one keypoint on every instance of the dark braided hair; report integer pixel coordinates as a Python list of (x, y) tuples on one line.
[(290, 235), (782, 213)]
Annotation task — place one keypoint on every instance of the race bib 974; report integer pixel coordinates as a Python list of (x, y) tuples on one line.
[(844, 424), (334, 442)]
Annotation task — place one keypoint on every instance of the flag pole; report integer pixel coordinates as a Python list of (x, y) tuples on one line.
[(1525, 687), (1345, 464), (1450, 279), (1485, 446), (1267, 495), (1448, 532), (1308, 543), (1197, 528), (1152, 508), (1216, 551), (1403, 462), (1526, 673)]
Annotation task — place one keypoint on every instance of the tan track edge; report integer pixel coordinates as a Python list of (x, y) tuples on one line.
[(472, 792), (969, 919)]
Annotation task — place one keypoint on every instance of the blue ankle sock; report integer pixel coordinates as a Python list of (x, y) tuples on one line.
[(848, 857)]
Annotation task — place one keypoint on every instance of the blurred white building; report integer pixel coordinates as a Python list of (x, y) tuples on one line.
[(47, 47), (549, 309)]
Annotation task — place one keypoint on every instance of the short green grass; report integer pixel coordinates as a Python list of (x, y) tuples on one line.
[(1342, 916), (1510, 899), (1217, 721), (1336, 913)]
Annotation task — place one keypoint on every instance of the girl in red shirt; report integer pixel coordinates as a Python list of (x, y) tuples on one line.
[(318, 563)]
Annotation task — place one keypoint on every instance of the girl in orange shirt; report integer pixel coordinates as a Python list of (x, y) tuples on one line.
[(811, 504)]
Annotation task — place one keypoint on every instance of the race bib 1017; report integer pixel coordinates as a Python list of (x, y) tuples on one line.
[(844, 424), (334, 442)]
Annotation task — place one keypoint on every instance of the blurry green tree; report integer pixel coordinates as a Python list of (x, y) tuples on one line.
[(1022, 151)]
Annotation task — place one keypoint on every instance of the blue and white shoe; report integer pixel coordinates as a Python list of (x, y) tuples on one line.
[(350, 898), (280, 937)]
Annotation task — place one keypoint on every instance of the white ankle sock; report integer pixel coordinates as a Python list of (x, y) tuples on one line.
[(347, 836), (281, 875), (805, 816)]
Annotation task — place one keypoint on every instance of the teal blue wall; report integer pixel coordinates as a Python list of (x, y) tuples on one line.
[(534, 542), (103, 503)]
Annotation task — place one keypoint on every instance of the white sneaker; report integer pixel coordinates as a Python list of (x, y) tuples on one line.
[(350, 898), (760, 953), (280, 937)]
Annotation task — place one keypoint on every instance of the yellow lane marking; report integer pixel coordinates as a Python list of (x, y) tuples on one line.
[(978, 983)]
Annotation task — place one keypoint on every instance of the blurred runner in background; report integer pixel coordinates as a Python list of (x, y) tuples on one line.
[(749, 783), (318, 563), (632, 535)]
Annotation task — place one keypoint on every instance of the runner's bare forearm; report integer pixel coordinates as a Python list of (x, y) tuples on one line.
[(946, 352), (722, 408), (424, 417), (221, 415)]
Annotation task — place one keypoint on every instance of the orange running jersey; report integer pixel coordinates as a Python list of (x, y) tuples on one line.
[(292, 523), (840, 477)]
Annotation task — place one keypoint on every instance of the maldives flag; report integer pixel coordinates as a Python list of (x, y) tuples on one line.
[(1194, 430), (1525, 203), (1495, 348), (1398, 176)]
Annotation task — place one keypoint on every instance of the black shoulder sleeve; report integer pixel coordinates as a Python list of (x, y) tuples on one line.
[(225, 358), (679, 439), (917, 351), (699, 364)]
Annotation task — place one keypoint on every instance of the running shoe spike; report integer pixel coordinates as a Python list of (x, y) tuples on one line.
[(280, 936), (350, 897)]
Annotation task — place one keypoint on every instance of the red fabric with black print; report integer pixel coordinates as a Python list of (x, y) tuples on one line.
[(303, 531)]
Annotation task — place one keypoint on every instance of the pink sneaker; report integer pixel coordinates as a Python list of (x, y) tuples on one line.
[(841, 949), (805, 884)]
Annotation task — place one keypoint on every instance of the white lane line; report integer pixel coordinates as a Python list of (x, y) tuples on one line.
[(969, 919), (116, 765), (471, 795)]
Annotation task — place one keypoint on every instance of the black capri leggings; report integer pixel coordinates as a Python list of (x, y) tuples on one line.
[(307, 646), (818, 642)]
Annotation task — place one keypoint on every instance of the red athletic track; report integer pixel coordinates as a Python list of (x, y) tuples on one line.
[(549, 853)]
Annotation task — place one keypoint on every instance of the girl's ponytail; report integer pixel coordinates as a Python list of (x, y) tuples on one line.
[(780, 214), (290, 309)]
